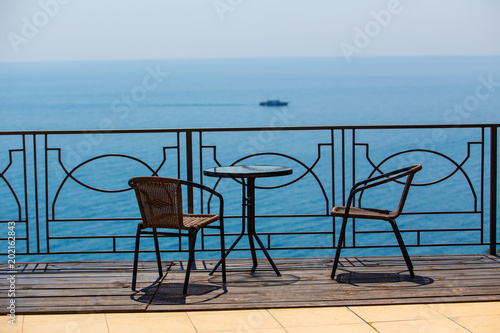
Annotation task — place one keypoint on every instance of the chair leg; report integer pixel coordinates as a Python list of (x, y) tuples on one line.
[(157, 248), (136, 257), (402, 247), (339, 246), (192, 243)]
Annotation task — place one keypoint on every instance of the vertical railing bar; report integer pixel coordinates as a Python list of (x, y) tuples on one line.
[(201, 191), (343, 170), (200, 155), (332, 141), (200, 149), (332, 138), (35, 171), (343, 167), (179, 175), (353, 147), (178, 154), (47, 193), (482, 185), (26, 201), (493, 190), (353, 182), (189, 168)]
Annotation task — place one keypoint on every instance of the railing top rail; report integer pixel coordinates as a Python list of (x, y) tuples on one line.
[(236, 129)]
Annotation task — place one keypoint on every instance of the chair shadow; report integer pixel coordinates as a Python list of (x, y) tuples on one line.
[(357, 279)]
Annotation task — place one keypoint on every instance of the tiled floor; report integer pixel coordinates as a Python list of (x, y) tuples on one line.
[(455, 317)]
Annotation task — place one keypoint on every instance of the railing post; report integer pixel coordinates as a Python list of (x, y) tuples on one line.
[(493, 190), (35, 184), (189, 168)]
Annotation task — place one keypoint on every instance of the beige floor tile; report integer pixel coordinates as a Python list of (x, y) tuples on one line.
[(81, 323), (467, 309), (157, 322), (353, 328), (233, 321), (10, 328), (480, 324), (245, 330), (315, 316), (395, 312), (433, 325)]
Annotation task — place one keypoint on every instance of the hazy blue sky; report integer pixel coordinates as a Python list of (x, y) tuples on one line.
[(52, 30)]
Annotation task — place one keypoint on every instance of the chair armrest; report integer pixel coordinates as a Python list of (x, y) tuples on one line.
[(389, 176), (203, 187), (208, 189), (379, 180)]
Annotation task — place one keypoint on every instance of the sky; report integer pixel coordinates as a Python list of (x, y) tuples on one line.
[(73, 30)]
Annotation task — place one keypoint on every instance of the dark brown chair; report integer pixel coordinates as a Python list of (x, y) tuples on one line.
[(376, 214), (160, 203)]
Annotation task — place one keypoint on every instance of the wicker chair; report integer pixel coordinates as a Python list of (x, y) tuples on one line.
[(376, 214), (160, 204)]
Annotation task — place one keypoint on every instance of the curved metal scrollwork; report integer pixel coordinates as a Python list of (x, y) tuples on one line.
[(308, 170), (9, 186), (459, 167), (70, 174)]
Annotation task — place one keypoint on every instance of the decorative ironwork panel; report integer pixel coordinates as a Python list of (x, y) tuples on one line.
[(66, 192)]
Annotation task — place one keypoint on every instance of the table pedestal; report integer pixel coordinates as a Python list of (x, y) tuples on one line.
[(248, 216)]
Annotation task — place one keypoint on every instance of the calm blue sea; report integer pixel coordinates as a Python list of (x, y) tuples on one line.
[(226, 92)]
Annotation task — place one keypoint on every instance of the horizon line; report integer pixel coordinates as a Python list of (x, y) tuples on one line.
[(243, 58)]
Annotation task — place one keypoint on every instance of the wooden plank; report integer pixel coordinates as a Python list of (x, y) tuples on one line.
[(89, 287)]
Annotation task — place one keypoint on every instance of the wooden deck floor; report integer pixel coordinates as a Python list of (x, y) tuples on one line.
[(86, 287)]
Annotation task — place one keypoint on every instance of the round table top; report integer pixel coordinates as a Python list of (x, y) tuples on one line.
[(248, 171)]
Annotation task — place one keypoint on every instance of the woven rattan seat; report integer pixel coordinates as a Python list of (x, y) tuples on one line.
[(196, 221), (199, 221), (349, 211), (160, 204), (364, 213)]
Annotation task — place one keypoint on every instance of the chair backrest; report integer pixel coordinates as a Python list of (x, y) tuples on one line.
[(160, 201), (412, 171)]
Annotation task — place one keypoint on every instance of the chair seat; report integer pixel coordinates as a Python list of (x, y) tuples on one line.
[(198, 221), (362, 213)]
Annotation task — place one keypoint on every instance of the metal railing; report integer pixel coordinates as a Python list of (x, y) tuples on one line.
[(65, 192)]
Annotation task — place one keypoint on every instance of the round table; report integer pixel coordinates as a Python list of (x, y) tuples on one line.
[(249, 172)]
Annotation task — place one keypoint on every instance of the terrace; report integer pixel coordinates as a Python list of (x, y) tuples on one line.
[(75, 218)]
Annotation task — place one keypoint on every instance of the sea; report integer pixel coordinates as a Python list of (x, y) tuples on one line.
[(225, 93)]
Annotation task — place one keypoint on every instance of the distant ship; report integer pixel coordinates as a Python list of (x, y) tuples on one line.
[(276, 102)]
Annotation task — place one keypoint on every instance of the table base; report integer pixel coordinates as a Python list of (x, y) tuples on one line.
[(248, 222)]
